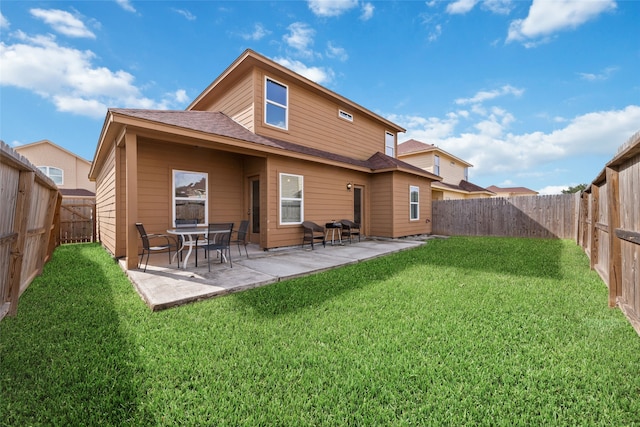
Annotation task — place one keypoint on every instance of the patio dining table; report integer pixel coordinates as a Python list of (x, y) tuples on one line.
[(190, 236)]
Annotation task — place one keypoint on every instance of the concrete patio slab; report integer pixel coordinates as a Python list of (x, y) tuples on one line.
[(163, 286)]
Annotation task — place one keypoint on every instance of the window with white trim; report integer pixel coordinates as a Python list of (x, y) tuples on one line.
[(466, 174), (190, 200), (436, 165), (291, 199), (276, 101), (389, 144), (414, 202), (56, 174)]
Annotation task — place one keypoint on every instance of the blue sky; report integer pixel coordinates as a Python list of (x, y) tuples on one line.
[(533, 93)]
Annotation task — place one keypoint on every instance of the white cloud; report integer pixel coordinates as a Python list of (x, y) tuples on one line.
[(547, 17), (492, 149), (4, 23), (319, 75), (487, 95), (336, 52), (367, 11), (188, 15), (553, 189), (258, 33), (461, 6), (300, 37), (63, 22), (501, 7), (329, 8), (68, 78), (126, 5), (603, 75)]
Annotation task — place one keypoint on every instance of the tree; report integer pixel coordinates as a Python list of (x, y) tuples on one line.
[(576, 189)]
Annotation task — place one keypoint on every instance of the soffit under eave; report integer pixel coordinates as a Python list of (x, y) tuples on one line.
[(108, 133)]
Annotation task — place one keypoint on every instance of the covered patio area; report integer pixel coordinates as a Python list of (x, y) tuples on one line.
[(165, 285)]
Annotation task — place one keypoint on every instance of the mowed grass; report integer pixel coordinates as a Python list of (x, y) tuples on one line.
[(463, 331)]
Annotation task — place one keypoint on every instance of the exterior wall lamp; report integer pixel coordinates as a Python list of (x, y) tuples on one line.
[(349, 185)]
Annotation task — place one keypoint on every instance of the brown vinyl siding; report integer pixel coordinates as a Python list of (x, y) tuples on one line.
[(390, 205), (106, 203), (314, 122), (325, 197), (381, 217), (157, 160), (238, 103)]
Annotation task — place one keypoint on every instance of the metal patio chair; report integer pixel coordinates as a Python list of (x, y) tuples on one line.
[(242, 237), (218, 240), (148, 248)]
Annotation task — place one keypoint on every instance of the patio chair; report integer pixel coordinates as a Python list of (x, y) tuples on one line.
[(147, 248), (219, 240), (242, 237), (311, 230), (350, 228)]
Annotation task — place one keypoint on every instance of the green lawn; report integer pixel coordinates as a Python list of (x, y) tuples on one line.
[(464, 331)]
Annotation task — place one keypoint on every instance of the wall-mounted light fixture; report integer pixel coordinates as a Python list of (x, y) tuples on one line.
[(349, 186)]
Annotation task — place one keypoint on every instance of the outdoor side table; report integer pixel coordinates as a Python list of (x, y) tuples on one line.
[(333, 227)]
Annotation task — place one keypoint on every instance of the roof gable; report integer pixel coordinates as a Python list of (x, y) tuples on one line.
[(46, 142), (250, 59)]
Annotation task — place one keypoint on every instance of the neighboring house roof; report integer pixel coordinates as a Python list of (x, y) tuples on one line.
[(413, 146), (76, 192), (511, 190), (463, 186), (47, 142), (218, 124)]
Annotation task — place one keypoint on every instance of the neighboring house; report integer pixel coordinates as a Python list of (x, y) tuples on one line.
[(261, 143), (511, 191), (453, 170), (69, 171)]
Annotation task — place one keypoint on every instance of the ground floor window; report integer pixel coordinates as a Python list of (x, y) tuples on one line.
[(291, 202), (190, 197), (414, 202)]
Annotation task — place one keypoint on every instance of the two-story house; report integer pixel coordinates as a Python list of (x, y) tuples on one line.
[(453, 170), (261, 143), (67, 170)]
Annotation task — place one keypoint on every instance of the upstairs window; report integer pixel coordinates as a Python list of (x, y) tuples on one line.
[(276, 104), (56, 174), (436, 165), (414, 202), (389, 144), (466, 174), (190, 199)]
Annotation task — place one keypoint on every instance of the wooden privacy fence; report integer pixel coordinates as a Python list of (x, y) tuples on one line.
[(29, 206), (524, 216), (609, 228), (77, 220)]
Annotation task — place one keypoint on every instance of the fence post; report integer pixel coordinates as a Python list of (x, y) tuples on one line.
[(595, 214), (25, 188), (615, 246)]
